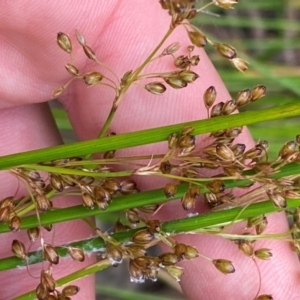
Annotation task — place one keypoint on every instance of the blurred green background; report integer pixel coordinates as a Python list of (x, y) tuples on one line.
[(267, 35)]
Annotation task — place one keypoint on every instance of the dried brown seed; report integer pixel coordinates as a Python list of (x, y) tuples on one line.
[(88, 200), (76, 253), (70, 290), (89, 52), (143, 236), (168, 259), (113, 253), (165, 167), (172, 141), (186, 141), (216, 110), (102, 194), (246, 247), (223, 265), (56, 182), (175, 82), (188, 76), (197, 38), (18, 249), (211, 199), (210, 96), (243, 97), (226, 4), (216, 186), (229, 107), (188, 201), (182, 62), (64, 42), (92, 78), (6, 202), (132, 217), (240, 64), (149, 209), (151, 274), (175, 271), (195, 59), (261, 226), (180, 250), (72, 70), (264, 297), (48, 281), (170, 190), (119, 226), (33, 234), (41, 292), (153, 226), (191, 252), (136, 274), (258, 92), (225, 153), (50, 254), (225, 50), (127, 186), (278, 198), (15, 223), (156, 88), (263, 253), (136, 250), (5, 214), (288, 149), (58, 91), (42, 202), (111, 185)]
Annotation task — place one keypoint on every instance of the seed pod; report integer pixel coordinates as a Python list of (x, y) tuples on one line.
[(50, 254), (263, 253), (243, 98), (76, 253), (223, 265), (175, 271), (165, 167), (143, 236), (175, 82), (5, 214), (264, 297), (42, 202), (238, 149), (210, 96), (172, 141), (33, 234), (278, 198), (58, 91), (170, 190), (226, 4), (89, 52), (70, 290), (92, 78), (111, 185), (240, 64), (180, 250), (225, 50), (195, 59), (171, 49), (261, 226), (216, 186), (119, 226), (136, 250), (168, 259), (18, 249), (156, 88), (288, 149), (153, 226), (15, 223), (151, 274), (191, 252), (64, 42), (188, 201), (102, 194), (56, 182), (136, 274), (47, 281), (114, 254), (225, 153), (182, 62), (197, 38), (246, 247), (80, 38), (229, 107), (88, 200), (188, 76), (258, 92), (187, 130), (127, 186), (6, 202), (186, 141), (216, 110), (41, 292), (72, 70), (132, 217), (211, 200), (147, 262)]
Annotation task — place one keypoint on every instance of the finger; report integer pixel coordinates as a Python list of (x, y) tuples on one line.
[(88, 108), (22, 129)]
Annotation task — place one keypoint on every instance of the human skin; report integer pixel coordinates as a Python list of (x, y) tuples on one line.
[(122, 33)]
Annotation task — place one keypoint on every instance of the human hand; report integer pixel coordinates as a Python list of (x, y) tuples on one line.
[(122, 33)]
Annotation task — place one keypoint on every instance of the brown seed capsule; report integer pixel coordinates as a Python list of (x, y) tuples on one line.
[(132, 217), (41, 292), (92, 78), (225, 50), (288, 149), (278, 198), (143, 236), (216, 110), (211, 200), (171, 49), (175, 82), (76, 253), (223, 265), (246, 247), (195, 59), (153, 226), (56, 182), (6, 202), (5, 214), (229, 107), (263, 253), (111, 185), (48, 281), (264, 297), (119, 226), (136, 250), (151, 274), (216, 186), (182, 62), (168, 259), (188, 76), (226, 4), (191, 252), (58, 91), (50, 254), (175, 271), (156, 88), (165, 167), (33, 234), (186, 141), (188, 201), (64, 42), (102, 194), (225, 153), (258, 92), (42, 202), (89, 52), (209, 96), (72, 70), (197, 38), (70, 290), (180, 250), (170, 190), (18, 249), (261, 226), (243, 98), (136, 274), (127, 186), (15, 223), (114, 254), (240, 64), (88, 200)]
